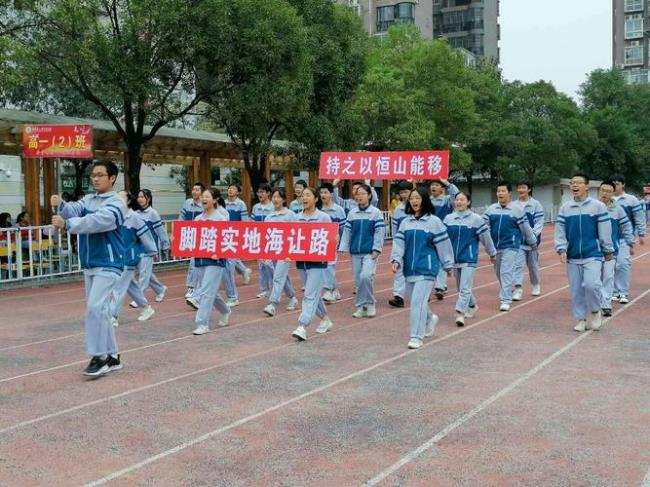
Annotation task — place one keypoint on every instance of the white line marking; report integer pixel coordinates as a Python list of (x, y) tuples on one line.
[(381, 476), (646, 480), (288, 402)]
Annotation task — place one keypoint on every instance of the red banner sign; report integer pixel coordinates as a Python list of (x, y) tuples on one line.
[(69, 141), (313, 242), (416, 165)]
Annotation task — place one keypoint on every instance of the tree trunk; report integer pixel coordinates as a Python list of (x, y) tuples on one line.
[(80, 167), (256, 166), (470, 181), (135, 164)]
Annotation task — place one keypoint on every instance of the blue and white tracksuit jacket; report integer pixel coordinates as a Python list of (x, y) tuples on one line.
[(349, 203), (444, 204), (153, 220), (190, 210), (422, 249), (634, 210), (534, 212), (296, 205), (337, 214), (259, 213), (583, 232), (623, 240), (312, 275), (280, 279), (237, 210), (399, 284), (97, 219)]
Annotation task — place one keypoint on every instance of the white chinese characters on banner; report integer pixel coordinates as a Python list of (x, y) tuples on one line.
[(318, 242), (252, 240), (229, 240), (208, 240), (296, 238), (274, 241), (188, 238)]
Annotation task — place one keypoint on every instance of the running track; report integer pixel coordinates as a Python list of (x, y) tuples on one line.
[(511, 399)]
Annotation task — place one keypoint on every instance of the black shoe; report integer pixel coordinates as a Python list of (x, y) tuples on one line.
[(114, 363), (396, 302), (97, 366), (440, 294), (607, 312)]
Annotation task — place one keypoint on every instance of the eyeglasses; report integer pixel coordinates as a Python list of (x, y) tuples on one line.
[(97, 176)]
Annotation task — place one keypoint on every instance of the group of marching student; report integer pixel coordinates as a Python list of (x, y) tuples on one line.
[(435, 234)]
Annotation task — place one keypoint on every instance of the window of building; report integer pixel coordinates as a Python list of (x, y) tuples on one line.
[(403, 12), (636, 76), (633, 5), (634, 54), (634, 26)]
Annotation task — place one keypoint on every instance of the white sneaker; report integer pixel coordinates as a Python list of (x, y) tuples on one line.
[(359, 313), (623, 299), (504, 307), (616, 297), (324, 326), (471, 311), (270, 310), (193, 302), (460, 319), (328, 296), (300, 333), (431, 326), (263, 294), (414, 343), (337, 295), (201, 330), (371, 311), (232, 302), (596, 321), (292, 304), (190, 292), (225, 318), (247, 276), (133, 304), (114, 322), (536, 290), (147, 313), (581, 326), (517, 294), (161, 296)]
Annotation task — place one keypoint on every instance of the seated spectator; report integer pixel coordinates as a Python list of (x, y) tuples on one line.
[(23, 221), (5, 222)]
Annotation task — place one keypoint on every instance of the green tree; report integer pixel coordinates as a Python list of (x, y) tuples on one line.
[(127, 59)]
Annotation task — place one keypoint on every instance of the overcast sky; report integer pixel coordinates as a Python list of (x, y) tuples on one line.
[(555, 40)]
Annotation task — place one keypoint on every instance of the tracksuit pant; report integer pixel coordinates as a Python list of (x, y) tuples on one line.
[(623, 269), (191, 281), (399, 284), (529, 258), (465, 283), (330, 276), (505, 270), (126, 284), (607, 277), (281, 281), (312, 302), (239, 266), (229, 280), (364, 268), (100, 335), (418, 293), (208, 293), (441, 279), (586, 288), (147, 277), (266, 275)]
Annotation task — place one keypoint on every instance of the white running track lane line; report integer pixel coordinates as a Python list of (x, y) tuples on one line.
[(381, 476), (210, 368), (230, 327), (176, 315), (646, 480), (247, 419)]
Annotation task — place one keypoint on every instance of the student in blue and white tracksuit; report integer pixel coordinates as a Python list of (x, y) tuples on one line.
[(466, 229), (210, 271), (442, 196), (190, 210), (296, 204), (145, 267), (527, 256), (280, 278), (312, 273), (508, 228), (622, 234), (363, 236), (97, 219), (238, 213), (421, 247), (634, 211), (583, 239), (399, 283), (260, 211), (349, 203), (337, 214), (137, 239)]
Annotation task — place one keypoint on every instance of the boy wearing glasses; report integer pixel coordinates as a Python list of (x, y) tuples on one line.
[(97, 218)]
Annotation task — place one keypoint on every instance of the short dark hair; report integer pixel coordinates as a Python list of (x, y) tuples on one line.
[(508, 186), (132, 202), (328, 186), (216, 195), (264, 187), (235, 185), (617, 177), (466, 195), (404, 186), (526, 183), (319, 203), (282, 194), (427, 204), (608, 183), (21, 215), (581, 175), (110, 166), (301, 182), (366, 188), (200, 185)]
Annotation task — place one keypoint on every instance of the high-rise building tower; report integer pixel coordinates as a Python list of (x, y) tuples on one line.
[(469, 24), (631, 39)]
